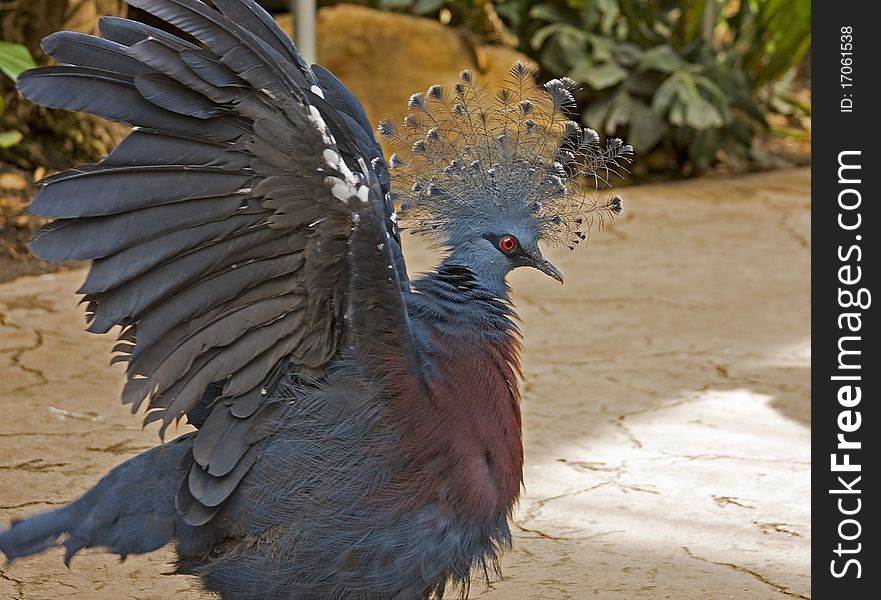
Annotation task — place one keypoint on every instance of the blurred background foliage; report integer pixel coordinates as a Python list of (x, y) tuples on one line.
[(50, 138), (689, 84), (14, 60)]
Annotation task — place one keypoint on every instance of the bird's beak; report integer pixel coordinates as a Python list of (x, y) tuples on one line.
[(548, 269)]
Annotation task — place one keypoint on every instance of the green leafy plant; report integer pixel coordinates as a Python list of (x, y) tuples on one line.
[(768, 37), (14, 60), (677, 79), (686, 82), (8, 138)]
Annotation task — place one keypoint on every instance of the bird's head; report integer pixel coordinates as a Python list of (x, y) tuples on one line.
[(491, 178), (493, 247)]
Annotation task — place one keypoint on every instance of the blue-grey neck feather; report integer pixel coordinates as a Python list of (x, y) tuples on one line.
[(490, 267), (455, 299)]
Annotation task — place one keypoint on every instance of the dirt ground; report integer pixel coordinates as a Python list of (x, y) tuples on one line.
[(666, 410)]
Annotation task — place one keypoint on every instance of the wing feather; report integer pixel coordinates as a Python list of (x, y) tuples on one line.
[(129, 33), (116, 189), (72, 48), (163, 91), (128, 263), (238, 233), (114, 98), (82, 238), (146, 147)]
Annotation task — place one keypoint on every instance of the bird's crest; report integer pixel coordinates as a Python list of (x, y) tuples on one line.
[(463, 157)]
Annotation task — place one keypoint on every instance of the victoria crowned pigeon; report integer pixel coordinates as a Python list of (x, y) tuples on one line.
[(357, 432)]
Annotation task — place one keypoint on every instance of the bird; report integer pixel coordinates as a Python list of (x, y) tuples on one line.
[(357, 432)]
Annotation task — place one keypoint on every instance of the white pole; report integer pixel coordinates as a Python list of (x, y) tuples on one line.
[(304, 28)]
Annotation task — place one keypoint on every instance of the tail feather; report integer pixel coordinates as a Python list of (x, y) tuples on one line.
[(130, 511), (31, 536)]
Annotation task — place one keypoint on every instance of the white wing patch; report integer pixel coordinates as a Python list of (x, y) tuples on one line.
[(320, 125), (341, 190), (364, 193)]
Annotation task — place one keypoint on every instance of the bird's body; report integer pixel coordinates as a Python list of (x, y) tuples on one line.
[(358, 433), (347, 454), (443, 502)]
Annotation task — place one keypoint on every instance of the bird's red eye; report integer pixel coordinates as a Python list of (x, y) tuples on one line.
[(507, 243)]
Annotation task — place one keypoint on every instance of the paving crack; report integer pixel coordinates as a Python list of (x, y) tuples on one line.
[(535, 510), (784, 214), (28, 302), (762, 459), (18, 584), (104, 431), (17, 355), (31, 503), (775, 586), (120, 448), (768, 528), (5, 323), (632, 357), (724, 501), (15, 434), (793, 232), (581, 538), (35, 465), (619, 423), (540, 533)]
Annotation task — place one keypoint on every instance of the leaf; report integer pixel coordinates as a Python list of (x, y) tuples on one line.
[(710, 87), (609, 9), (599, 76), (661, 58), (665, 95), (627, 55), (621, 110), (700, 113), (716, 96), (569, 38), (511, 13), (572, 40), (702, 150), (15, 59), (554, 60), (601, 48), (595, 115), (646, 129), (424, 7), (798, 104), (395, 4), (551, 13), (9, 138), (643, 84), (677, 114)]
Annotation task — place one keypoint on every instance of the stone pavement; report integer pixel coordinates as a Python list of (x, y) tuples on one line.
[(666, 410)]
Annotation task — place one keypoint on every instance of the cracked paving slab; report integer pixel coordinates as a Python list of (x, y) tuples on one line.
[(666, 410)]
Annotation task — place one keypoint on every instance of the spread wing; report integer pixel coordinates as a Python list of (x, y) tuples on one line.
[(242, 229)]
